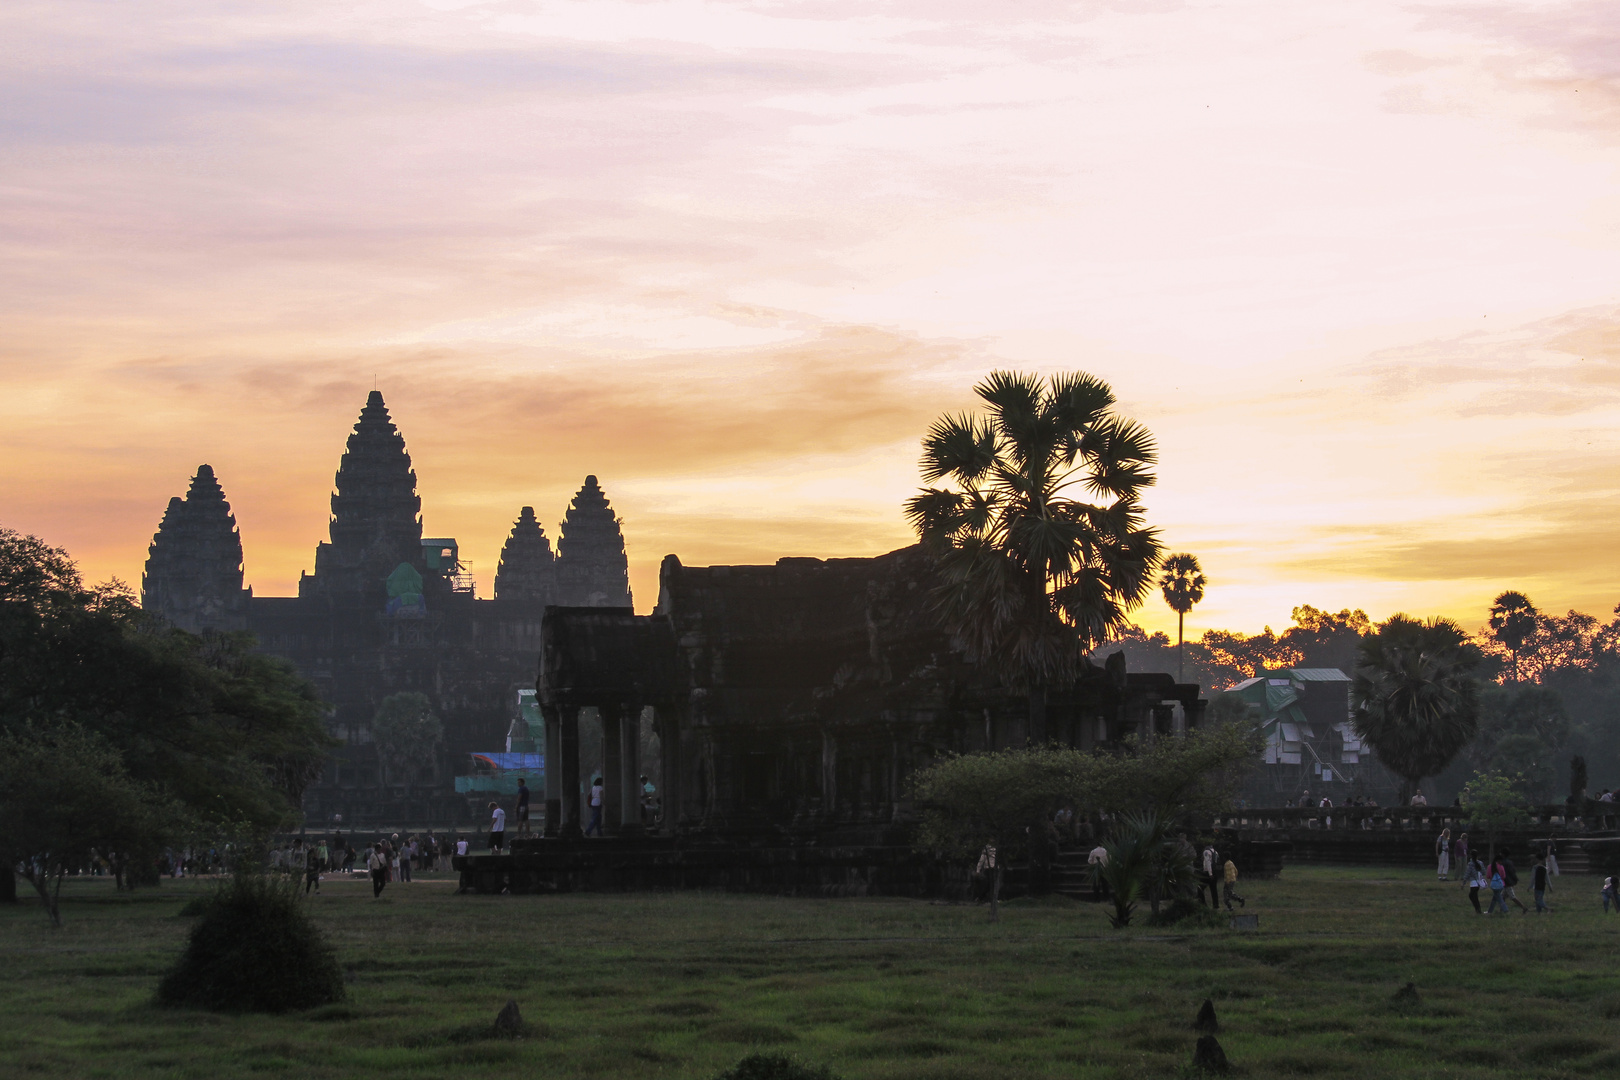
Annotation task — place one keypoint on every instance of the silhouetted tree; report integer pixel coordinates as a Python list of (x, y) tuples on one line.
[(1031, 576), (1183, 586), (1513, 623), (1415, 697), (406, 733)]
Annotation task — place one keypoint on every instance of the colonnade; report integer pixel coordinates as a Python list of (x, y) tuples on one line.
[(567, 806)]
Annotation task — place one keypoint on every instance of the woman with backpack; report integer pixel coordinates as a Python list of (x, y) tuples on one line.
[(1496, 879)]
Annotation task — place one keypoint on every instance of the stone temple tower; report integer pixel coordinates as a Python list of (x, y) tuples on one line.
[(528, 571), (591, 566), (376, 514), (193, 572)]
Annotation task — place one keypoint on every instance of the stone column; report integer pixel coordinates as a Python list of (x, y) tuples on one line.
[(568, 781), (553, 782), (829, 774), (612, 767), (630, 772), (669, 735)]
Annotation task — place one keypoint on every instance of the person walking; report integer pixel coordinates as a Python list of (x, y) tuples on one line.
[(1510, 874), (1496, 880), (1442, 850), (377, 863), (1475, 880), (1552, 858), (1231, 886), (596, 807), (497, 827), (1611, 894), (1210, 859), (1539, 885), (312, 871), (523, 807)]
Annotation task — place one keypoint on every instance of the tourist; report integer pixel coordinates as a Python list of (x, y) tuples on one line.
[(1510, 875), (1552, 857), (1607, 796), (1418, 799), (1206, 876), (1097, 860), (1459, 851), (1611, 894), (349, 855), (405, 855), (1231, 886), (377, 863), (1475, 880), (1539, 884), (312, 871), (1496, 879), (647, 793), (324, 855), (1442, 849), (984, 874), (523, 807), (393, 847), (461, 847), (596, 807), (497, 827)]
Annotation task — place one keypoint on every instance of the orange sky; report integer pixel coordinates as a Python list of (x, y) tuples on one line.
[(1357, 267)]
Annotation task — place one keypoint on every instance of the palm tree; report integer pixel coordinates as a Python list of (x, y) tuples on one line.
[(1414, 696), (1033, 577), (1514, 620), (1183, 586)]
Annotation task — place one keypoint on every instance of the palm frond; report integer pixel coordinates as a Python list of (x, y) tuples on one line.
[(958, 447)]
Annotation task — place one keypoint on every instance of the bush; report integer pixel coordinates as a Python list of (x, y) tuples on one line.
[(1188, 913), (255, 950), (775, 1067)]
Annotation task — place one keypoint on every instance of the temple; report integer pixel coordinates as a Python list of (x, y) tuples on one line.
[(387, 610)]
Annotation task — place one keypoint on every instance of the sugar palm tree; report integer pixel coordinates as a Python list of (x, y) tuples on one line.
[(1182, 583), (1514, 620), (1414, 697), (1039, 526)]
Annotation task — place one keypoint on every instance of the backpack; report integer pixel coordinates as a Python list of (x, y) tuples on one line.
[(1512, 876)]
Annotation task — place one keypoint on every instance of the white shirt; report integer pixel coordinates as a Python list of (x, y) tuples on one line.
[(499, 822), (461, 847), (596, 795)]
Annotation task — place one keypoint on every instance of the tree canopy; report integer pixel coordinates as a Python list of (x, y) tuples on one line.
[(406, 732), (1415, 696), (1039, 524), (231, 734)]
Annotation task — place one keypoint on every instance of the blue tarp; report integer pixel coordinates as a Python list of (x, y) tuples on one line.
[(535, 763)]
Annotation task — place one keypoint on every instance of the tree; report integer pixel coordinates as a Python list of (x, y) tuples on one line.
[(232, 734), (1494, 802), (973, 801), (1183, 586), (1031, 577), (405, 731), (65, 800), (1577, 780), (1523, 729), (1513, 622), (1143, 859), (1414, 696)]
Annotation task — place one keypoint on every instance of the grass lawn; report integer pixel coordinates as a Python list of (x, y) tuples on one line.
[(684, 984)]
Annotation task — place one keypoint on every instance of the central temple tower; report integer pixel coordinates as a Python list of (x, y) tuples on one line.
[(376, 514)]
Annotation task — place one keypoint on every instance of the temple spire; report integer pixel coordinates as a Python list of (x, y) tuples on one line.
[(527, 571), (193, 575), (591, 567), (376, 523)]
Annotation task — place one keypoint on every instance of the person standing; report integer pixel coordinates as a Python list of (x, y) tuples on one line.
[(523, 807), (1552, 858), (1442, 851), (1459, 855), (1097, 860), (1418, 799), (461, 847), (596, 807), (405, 856), (1231, 886), (497, 827), (1475, 880), (1539, 884), (377, 863), (1611, 894), (647, 793), (312, 871)]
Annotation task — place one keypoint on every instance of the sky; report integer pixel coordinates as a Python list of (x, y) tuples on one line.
[(1356, 266)]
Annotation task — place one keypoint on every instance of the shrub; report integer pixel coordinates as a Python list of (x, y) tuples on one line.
[(255, 950), (775, 1067)]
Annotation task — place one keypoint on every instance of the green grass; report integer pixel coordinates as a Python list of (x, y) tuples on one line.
[(684, 984)]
